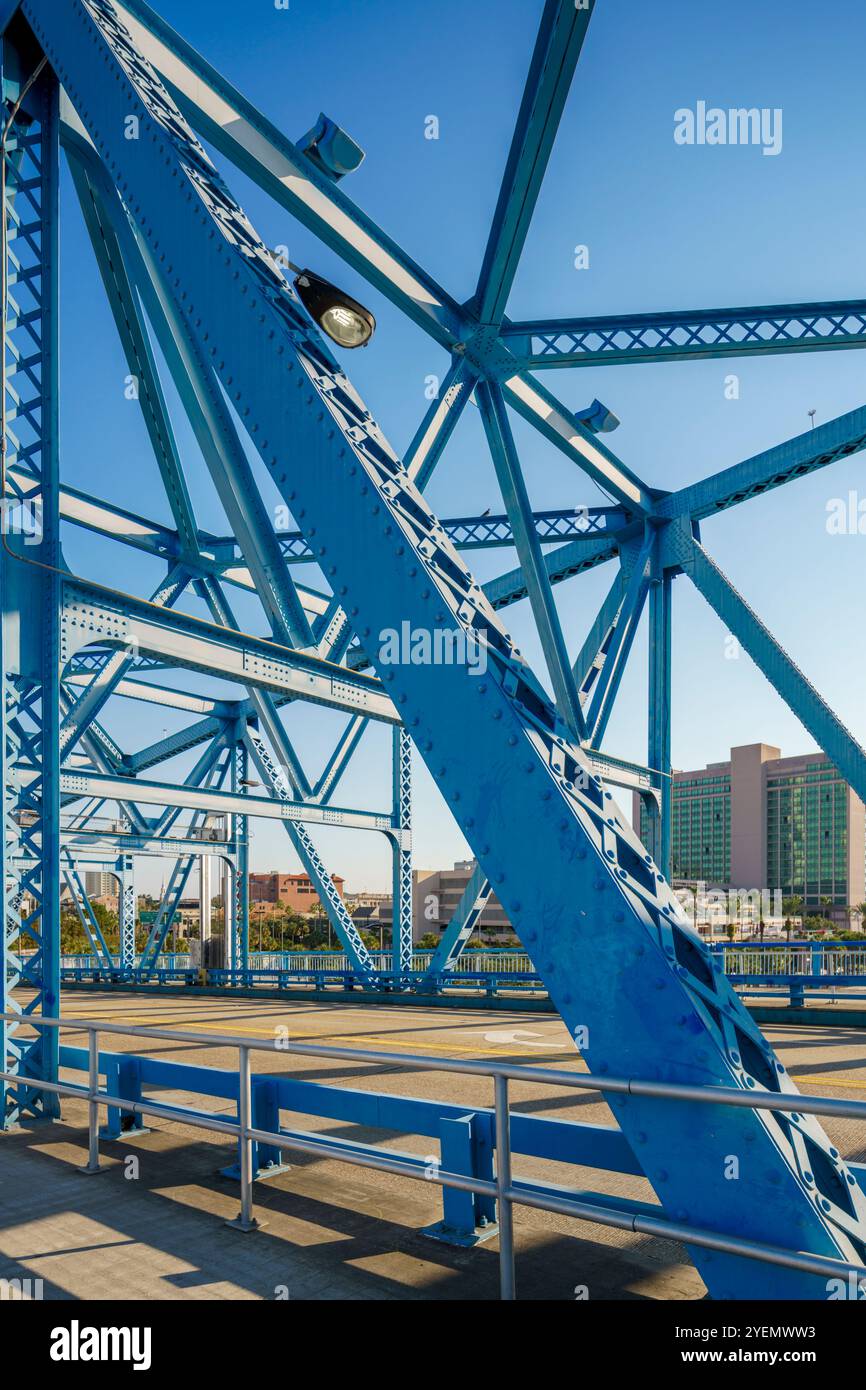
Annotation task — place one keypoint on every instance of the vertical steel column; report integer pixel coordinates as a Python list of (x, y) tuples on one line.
[(29, 646), (240, 942), (401, 845), (659, 722), (205, 890), (125, 871)]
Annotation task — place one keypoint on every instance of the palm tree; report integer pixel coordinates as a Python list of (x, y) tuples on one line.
[(792, 907)]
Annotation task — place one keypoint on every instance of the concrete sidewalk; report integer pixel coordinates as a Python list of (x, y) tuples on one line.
[(331, 1232)]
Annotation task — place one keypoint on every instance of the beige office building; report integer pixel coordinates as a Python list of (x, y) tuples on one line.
[(436, 893)]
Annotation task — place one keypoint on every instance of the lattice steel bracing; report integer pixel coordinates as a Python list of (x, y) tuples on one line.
[(523, 774), (239, 941), (402, 855), (30, 531), (126, 905)]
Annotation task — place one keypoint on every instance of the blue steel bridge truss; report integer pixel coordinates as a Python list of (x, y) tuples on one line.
[(190, 281)]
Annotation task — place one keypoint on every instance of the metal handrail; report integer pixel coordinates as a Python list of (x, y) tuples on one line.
[(506, 1192)]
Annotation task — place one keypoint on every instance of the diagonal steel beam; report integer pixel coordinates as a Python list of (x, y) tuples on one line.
[(537, 405), (797, 457), (339, 759), (617, 650), (560, 564), (233, 125), (338, 915), (254, 144), (202, 400), (464, 920), (554, 59), (136, 346), (799, 694), (590, 658), (609, 937), (87, 706), (438, 424), (518, 507)]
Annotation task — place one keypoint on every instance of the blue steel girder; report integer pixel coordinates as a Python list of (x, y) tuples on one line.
[(684, 335), (339, 760), (212, 773), (262, 702), (205, 771), (237, 130), (464, 920), (93, 613), (84, 910), (126, 904), (519, 510), (189, 796), (590, 658), (30, 872), (133, 335), (659, 721), (347, 932), (240, 923), (613, 945), (616, 650), (557, 48), (563, 563), (85, 709), (204, 404), (401, 850), (437, 427), (795, 458), (101, 758), (799, 694), (488, 532)]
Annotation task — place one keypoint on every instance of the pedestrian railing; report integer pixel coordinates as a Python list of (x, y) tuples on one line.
[(502, 1188)]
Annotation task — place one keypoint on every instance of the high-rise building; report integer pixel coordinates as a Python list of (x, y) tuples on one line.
[(99, 885), (761, 821)]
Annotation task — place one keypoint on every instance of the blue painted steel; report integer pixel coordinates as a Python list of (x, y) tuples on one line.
[(30, 872), (659, 722), (465, 1136), (560, 38), (467, 914), (180, 261), (517, 505), (689, 334), (401, 852), (810, 708), (490, 743)]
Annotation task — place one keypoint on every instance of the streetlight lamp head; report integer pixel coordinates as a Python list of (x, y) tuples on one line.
[(344, 320)]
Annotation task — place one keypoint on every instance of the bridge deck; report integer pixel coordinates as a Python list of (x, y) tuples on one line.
[(336, 1232)]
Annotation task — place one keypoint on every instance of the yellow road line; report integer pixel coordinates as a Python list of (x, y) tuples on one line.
[(826, 1081), (333, 1039)]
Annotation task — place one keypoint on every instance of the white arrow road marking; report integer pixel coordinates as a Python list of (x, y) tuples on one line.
[(518, 1035)]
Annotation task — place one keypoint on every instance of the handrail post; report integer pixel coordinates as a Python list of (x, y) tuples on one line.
[(93, 1164), (245, 1221), (505, 1211)]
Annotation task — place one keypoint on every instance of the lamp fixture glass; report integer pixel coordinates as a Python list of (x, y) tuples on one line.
[(344, 320)]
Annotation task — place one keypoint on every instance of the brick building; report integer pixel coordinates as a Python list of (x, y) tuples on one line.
[(294, 891)]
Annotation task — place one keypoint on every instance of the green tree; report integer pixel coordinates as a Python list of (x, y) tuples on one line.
[(792, 907)]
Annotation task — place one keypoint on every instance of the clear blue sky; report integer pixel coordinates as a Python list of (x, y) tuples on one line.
[(667, 227)]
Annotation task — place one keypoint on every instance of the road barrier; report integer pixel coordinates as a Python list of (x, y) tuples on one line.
[(501, 1133)]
